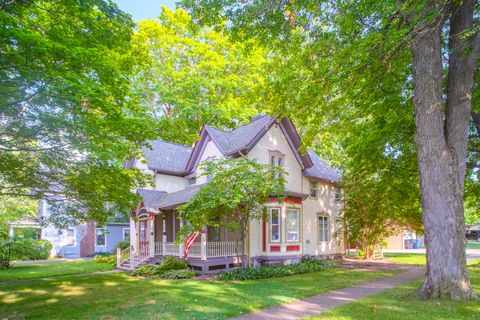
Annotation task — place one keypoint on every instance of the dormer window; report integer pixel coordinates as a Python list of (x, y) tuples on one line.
[(191, 181)]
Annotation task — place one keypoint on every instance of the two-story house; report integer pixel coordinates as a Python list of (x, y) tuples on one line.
[(305, 223)]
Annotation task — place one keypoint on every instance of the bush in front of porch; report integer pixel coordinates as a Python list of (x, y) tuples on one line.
[(307, 265), (169, 268)]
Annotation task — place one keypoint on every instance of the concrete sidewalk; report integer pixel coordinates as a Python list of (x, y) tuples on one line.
[(321, 303)]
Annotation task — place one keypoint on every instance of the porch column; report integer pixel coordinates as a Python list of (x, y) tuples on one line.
[(151, 232), (133, 234), (181, 247), (203, 244)]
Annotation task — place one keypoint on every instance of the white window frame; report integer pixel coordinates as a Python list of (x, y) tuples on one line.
[(123, 233), (104, 234), (277, 159), (311, 188), (74, 237), (279, 224), (322, 233), (297, 211)]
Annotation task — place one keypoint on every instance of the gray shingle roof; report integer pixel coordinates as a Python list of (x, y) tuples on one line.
[(173, 199), (235, 140), (321, 169), (167, 156), (151, 198)]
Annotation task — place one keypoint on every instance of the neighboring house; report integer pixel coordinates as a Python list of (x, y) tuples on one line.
[(304, 224), (403, 238), (76, 241)]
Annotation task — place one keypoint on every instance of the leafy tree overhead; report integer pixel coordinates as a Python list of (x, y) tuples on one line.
[(68, 120), (235, 195), (193, 76), (356, 63)]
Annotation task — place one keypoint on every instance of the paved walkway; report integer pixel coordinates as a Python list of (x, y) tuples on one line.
[(321, 303)]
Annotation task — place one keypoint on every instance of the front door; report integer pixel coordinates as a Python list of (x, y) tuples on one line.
[(143, 237)]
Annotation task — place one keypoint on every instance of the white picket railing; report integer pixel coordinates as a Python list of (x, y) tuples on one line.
[(195, 250), (170, 249), (224, 249), (158, 248)]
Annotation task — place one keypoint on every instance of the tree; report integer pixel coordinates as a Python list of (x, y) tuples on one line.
[(194, 76), (347, 56), (68, 120), (235, 195)]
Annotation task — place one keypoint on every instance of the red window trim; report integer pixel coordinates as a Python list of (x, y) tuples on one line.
[(293, 248), (275, 248)]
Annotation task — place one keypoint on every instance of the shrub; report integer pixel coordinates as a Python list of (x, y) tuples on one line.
[(178, 274), (106, 259), (23, 249), (146, 270), (167, 264), (251, 273), (123, 245)]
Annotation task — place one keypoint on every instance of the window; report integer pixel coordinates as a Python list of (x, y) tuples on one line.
[(276, 159), (70, 237), (101, 237), (338, 194), (126, 234), (292, 227), (191, 181), (275, 225), (313, 188), (323, 228)]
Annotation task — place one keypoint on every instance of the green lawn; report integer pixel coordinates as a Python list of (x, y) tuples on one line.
[(52, 269), (473, 245), (119, 296), (400, 303), (413, 258), (406, 258)]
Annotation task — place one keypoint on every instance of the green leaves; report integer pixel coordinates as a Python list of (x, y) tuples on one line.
[(194, 76), (68, 117)]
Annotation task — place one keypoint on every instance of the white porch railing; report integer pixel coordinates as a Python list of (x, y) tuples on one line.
[(170, 249), (224, 249), (158, 248), (195, 250)]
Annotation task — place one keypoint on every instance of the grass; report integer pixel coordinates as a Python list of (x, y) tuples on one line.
[(400, 303), (473, 245), (37, 270), (119, 296), (406, 258), (417, 259)]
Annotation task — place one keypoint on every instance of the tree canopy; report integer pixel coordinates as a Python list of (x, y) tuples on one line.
[(195, 75), (68, 118)]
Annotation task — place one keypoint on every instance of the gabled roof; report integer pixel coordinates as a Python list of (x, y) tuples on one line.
[(233, 141), (320, 169), (171, 200), (180, 160), (151, 199), (167, 157)]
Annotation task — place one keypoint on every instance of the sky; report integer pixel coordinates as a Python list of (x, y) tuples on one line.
[(142, 9)]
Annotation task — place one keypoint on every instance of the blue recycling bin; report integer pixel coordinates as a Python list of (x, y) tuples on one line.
[(416, 244)]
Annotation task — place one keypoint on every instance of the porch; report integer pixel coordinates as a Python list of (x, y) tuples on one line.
[(154, 238)]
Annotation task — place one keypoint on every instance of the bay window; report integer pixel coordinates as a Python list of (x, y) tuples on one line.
[(274, 225), (292, 227)]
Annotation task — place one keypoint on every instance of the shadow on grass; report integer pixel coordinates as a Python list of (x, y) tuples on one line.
[(119, 296)]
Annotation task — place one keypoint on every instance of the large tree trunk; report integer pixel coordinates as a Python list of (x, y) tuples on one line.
[(441, 155)]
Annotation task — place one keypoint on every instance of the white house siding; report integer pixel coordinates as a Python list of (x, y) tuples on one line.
[(325, 203), (211, 152), (274, 140), (168, 183)]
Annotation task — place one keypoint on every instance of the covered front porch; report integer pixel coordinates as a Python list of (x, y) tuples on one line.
[(155, 237)]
